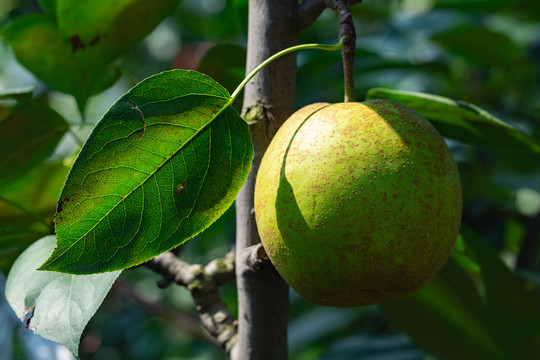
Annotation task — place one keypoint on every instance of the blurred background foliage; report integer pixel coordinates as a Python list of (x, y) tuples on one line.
[(485, 302)]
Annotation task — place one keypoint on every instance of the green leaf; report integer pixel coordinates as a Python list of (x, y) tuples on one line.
[(461, 120), (77, 56), (461, 314), (225, 63), (49, 6), (114, 27), (38, 46), (480, 45), (54, 306), (27, 209), (443, 317), (15, 238), (512, 316), (163, 164), (28, 134), (475, 5), (37, 191)]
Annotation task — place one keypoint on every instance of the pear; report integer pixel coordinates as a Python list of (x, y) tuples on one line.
[(357, 203)]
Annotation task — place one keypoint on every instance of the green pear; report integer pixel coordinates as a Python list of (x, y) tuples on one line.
[(357, 203)]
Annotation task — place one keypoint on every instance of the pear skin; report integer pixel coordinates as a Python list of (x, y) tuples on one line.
[(357, 203)]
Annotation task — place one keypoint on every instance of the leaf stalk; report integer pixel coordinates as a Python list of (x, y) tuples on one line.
[(325, 47)]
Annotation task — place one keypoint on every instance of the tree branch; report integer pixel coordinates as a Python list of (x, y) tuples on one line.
[(202, 283), (309, 11), (263, 300)]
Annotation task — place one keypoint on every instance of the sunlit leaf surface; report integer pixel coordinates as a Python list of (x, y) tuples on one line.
[(163, 164)]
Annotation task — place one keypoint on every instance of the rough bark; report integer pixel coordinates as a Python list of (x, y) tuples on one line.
[(268, 101)]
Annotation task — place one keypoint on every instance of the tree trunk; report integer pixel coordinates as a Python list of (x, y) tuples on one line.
[(268, 100)]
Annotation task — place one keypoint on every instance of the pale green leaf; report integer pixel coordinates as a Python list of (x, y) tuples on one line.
[(28, 135), (54, 306)]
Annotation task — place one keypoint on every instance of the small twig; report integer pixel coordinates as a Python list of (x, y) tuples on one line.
[(202, 283)]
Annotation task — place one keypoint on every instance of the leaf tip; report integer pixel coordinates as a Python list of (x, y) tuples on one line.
[(49, 264)]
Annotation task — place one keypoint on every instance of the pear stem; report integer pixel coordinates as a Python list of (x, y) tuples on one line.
[(348, 34), (333, 47)]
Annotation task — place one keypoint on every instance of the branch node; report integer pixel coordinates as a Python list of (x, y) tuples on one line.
[(203, 286), (257, 260)]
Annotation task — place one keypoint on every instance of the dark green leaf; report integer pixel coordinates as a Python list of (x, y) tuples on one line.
[(475, 5), (442, 317), (513, 319), (480, 45), (113, 27), (461, 120), (465, 315), (37, 190), (226, 64), (27, 209), (54, 306), (28, 135), (164, 163), (49, 6), (15, 238), (77, 56), (38, 46)]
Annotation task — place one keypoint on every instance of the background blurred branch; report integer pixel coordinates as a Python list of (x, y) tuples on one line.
[(202, 283)]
